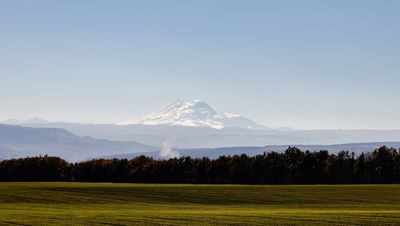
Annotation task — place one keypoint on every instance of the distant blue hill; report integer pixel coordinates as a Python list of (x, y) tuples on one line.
[(22, 141), (357, 148), (18, 141)]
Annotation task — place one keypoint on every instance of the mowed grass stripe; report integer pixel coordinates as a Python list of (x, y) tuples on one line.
[(153, 204), (217, 195)]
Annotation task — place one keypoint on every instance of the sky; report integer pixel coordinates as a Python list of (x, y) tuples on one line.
[(302, 64)]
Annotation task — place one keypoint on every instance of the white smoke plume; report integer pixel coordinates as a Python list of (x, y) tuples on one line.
[(167, 151)]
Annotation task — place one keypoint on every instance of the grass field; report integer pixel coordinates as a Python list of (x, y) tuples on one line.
[(130, 204)]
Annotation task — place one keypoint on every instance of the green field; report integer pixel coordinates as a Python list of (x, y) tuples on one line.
[(130, 204)]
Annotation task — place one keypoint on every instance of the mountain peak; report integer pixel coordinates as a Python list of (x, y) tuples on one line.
[(195, 113)]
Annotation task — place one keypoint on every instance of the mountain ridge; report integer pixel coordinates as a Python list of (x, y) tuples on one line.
[(20, 141), (213, 153)]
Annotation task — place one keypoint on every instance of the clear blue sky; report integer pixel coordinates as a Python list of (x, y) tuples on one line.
[(303, 64)]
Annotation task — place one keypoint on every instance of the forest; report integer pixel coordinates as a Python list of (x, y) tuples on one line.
[(290, 167)]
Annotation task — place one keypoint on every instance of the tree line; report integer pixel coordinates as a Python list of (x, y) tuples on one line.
[(290, 167)]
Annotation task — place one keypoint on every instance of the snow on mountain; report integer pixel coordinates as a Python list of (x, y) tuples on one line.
[(194, 113)]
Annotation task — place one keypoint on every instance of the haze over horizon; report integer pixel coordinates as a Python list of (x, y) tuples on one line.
[(306, 65)]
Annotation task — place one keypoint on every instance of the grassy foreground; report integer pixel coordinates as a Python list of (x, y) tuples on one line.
[(130, 204)]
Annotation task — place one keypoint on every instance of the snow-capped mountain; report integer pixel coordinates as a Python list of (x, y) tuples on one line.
[(194, 113)]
